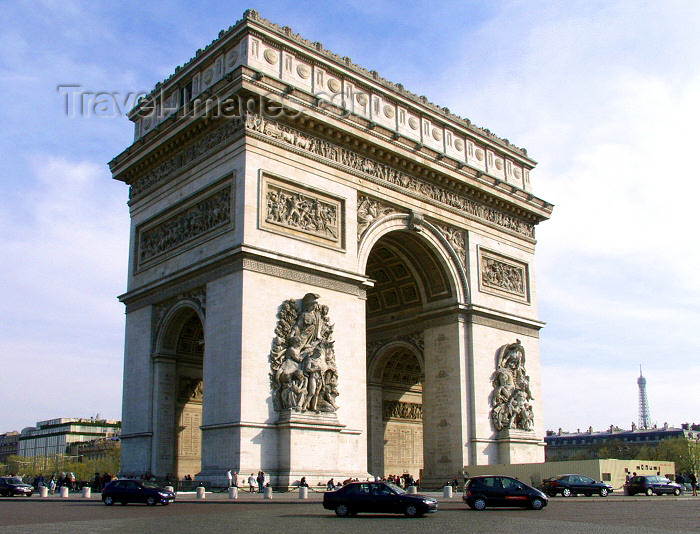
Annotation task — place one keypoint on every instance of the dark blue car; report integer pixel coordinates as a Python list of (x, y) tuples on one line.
[(136, 491)]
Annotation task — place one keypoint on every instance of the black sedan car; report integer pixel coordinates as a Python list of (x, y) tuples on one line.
[(483, 491), (568, 485), (652, 484), (377, 497), (136, 491), (11, 486)]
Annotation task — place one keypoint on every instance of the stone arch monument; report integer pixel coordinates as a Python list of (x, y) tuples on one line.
[(329, 276)]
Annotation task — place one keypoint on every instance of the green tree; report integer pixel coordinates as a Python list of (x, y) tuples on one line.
[(684, 452)]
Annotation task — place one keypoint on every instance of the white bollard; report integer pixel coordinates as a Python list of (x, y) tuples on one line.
[(200, 492), (63, 492), (268, 492), (447, 492), (412, 490), (303, 492), (86, 492), (233, 493), (43, 491), (169, 488)]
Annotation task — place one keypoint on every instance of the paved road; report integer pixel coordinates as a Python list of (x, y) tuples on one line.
[(285, 514)]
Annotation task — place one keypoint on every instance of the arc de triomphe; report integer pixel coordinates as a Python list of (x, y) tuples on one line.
[(329, 276)]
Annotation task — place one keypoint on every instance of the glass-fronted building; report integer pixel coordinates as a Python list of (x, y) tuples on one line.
[(54, 436)]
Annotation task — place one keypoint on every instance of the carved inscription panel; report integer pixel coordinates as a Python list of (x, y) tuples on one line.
[(189, 436), (503, 276), (403, 449), (301, 212)]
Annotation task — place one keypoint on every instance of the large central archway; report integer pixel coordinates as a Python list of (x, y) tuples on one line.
[(413, 288)]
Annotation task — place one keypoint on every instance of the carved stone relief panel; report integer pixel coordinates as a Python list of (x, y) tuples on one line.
[(511, 397), (457, 239), (190, 390), (303, 372), (402, 410), (183, 225), (503, 276), (301, 212), (368, 211)]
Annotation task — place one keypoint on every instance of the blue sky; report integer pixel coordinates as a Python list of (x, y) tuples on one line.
[(604, 95)]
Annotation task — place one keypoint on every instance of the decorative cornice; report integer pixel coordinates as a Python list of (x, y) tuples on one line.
[(285, 32), (195, 152), (344, 158), (300, 276)]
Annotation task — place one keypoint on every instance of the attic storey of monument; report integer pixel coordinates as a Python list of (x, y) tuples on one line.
[(326, 280)]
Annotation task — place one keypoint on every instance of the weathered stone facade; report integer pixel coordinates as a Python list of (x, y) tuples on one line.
[(325, 270)]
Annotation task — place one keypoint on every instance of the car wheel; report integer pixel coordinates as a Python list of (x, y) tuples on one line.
[(479, 504), (566, 492), (603, 492), (342, 510), (649, 492), (108, 500), (151, 501), (29, 494), (123, 503), (588, 494), (411, 511), (677, 492), (537, 504)]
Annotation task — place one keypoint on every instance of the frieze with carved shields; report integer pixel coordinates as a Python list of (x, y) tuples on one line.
[(303, 371), (511, 397)]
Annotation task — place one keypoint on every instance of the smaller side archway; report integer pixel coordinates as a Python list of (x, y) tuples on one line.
[(395, 411), (178, 364)]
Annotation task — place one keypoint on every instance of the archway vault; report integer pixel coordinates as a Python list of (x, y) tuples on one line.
[(408, 240)]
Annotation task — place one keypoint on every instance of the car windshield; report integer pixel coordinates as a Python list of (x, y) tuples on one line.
[(396, 488), (14, 480)]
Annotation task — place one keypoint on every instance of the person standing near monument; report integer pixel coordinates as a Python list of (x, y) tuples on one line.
[(251, 482), (261, 481), (693, 484), (229, 477), (234, 480)]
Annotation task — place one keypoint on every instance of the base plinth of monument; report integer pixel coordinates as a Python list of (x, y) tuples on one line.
[(311, 445), (516, 446)]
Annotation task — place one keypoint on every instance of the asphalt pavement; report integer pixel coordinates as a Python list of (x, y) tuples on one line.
[(286, 513)]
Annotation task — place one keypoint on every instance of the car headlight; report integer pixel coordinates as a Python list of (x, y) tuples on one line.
[(166, 495)]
